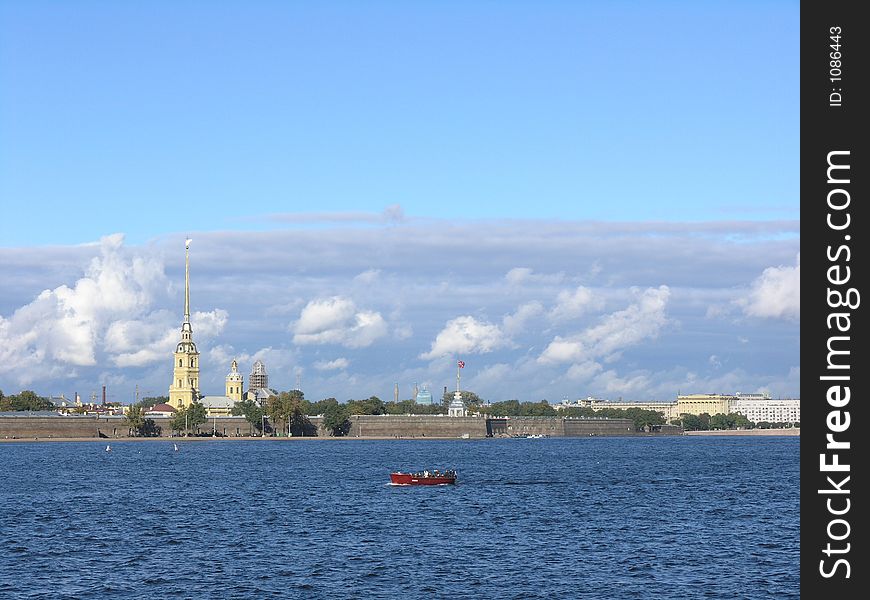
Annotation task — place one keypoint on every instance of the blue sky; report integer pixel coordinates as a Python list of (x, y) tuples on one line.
[(380, 126)]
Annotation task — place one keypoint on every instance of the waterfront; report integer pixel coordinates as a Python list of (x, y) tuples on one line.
[(665, 517)]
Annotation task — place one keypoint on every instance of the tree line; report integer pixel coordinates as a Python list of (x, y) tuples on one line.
[(26, 400), (707, 422)]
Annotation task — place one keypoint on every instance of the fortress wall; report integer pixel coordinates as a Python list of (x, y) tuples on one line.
[(382, 426), (596, 427), (44, 427), (405, 426), (546, 426)]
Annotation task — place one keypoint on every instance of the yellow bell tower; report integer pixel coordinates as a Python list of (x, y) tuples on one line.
[(234, 383), (185, 377)]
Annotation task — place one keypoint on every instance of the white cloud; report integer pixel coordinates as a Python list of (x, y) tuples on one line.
[(466, 335), (417, 277), (585, 351), (337, 320), (572, 304), (143, 341), (368, 277), (516, 322), (521, 275), (640, 321), (563, 351), (78, 325), (332, 365), (611, 384), (776, 293)]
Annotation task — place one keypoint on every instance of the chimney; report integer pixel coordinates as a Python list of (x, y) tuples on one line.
[(104, 394)]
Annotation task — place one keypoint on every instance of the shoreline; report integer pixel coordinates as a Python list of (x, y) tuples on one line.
[(725, 432), (792, 431), (109, 440)]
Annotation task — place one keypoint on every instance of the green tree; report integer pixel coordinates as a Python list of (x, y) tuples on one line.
[(508, 408), (537, 409), (287, 408), (336, 419), (578, 412), (252, 411), (179, 420), (150, 401), (134, 418), (28, 400), (691, 422), (468, 398), (410, 407), (644, 419), (318, 408), (196, 415), (150, 428), (371, 406), (189, 418)]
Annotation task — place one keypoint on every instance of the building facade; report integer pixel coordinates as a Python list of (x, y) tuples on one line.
[(755, 407), (235, 383), (767, 410)]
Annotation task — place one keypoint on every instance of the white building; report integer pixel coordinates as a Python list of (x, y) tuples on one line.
[(759, 409)]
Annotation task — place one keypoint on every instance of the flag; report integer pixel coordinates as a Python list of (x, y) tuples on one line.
[(461, 364)]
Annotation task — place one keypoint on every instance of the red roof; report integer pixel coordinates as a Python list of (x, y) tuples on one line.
[(162, 408)]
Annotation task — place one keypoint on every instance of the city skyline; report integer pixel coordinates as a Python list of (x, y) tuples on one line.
[(375, 192)]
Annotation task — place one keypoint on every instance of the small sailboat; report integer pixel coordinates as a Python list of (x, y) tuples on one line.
[(108, 448), (175, 447)]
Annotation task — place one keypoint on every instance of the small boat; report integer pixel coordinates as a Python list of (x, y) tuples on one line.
[(108, 448), (534, 436), (423, 478), (175, 446)]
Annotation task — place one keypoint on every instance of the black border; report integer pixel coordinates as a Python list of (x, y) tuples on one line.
[(826, 128)]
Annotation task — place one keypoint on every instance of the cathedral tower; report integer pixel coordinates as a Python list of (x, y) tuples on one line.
[(185, 377), (234, 383)]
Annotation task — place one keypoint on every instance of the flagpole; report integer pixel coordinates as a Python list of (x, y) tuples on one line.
[(458, 371)]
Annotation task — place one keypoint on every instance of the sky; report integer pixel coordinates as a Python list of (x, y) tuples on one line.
[(574, 198)]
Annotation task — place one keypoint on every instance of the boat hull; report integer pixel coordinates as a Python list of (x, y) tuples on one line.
[(412, 479)]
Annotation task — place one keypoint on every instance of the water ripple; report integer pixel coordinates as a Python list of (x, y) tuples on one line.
[(571, 518)]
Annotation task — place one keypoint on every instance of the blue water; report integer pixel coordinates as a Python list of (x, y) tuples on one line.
[(669, 517)]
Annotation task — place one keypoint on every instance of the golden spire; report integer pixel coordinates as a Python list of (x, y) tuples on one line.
[(187, 280)]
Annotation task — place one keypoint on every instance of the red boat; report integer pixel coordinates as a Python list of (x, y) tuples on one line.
[(423, 478)]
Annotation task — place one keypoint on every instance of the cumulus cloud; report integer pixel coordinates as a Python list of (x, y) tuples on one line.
[(337, 320), (572, 304), (332, 365), (615, 332), (417, 276), (516, 322), (466, 335), (77, 325), (776, 293)]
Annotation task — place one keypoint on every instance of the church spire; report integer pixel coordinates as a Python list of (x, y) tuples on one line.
[(185, 376), (187, 280)]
